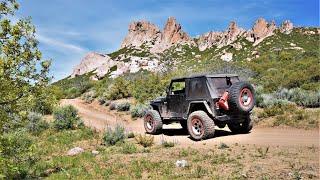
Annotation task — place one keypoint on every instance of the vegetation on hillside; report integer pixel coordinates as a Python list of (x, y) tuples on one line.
[(73, 87)]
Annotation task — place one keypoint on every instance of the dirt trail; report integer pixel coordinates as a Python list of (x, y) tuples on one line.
[(100, 117)]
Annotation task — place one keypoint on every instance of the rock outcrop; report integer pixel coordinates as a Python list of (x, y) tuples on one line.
[(173, 33), (260, 31), (144, 32), (141, 32), (90, 63), (231, 34), (220, 39), (75, 151), (208, 40), (286, 27), (227, 57), (257, 34)]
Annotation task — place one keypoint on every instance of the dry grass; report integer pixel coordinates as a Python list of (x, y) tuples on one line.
[(130, 160)]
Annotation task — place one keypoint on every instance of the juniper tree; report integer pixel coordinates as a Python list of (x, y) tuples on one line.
[(23, 73)]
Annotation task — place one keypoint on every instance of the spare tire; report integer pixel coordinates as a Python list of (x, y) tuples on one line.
[(241, 97)]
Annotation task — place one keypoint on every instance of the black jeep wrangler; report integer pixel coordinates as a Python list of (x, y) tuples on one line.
[(201, 102)]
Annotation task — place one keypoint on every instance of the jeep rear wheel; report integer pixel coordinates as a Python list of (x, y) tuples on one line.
[(241, 97), (152, 122), (243, 127), (200, 125)]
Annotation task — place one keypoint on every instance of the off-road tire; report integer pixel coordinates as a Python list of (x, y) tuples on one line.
[(243, 127), (235, 97), (207, 123), (155, 118)]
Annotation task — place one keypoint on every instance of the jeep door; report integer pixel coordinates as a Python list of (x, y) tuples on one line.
[(176, 99)]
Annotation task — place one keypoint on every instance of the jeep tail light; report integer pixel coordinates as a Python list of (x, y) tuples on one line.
[(223, 101)]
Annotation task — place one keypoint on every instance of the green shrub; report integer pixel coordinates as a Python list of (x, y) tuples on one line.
[(101, 86), (102, 100), (262, 152), (129, 148), (144, 140), (285, 96), (138, 110), (298, 118), (300, 97), (118, 89), (269, 100), (44, 101), (88, 97), (167, 144), (16, 155), (131, 135), (74, 87), (113, 106), (125, 106), (66, 117), (277, 109), (304, 98), (113, 136), (283, 93), (223, 145), (258, 96), (35, 123), (148, 86), (72, 92)]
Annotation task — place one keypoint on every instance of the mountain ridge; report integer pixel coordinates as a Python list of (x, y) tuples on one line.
[(146, 47)]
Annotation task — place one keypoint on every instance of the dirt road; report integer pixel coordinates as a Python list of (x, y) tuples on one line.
[(100, 117)]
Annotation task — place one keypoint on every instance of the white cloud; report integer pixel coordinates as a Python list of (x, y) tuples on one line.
[(60, 45)]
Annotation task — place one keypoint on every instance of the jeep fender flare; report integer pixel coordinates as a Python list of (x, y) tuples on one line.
[(206, 105)]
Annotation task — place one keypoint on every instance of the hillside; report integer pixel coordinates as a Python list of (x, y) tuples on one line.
[(268, 55), (147, 48), (282, 63)]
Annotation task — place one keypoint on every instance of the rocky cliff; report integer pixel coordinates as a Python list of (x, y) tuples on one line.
[(146, 33), (149, 34), (90, 63), (141, 32)]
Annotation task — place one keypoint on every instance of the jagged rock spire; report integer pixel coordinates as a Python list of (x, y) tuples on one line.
[(286, 27), (144, 32)]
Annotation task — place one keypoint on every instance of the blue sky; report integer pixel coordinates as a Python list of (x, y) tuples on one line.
[(68, 29)]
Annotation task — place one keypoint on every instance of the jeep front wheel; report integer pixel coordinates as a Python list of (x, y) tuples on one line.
[(152, 122), (200, 125)]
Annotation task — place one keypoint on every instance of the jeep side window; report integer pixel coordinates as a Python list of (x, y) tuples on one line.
[(221, 84), (197, 88), (177, 88)]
